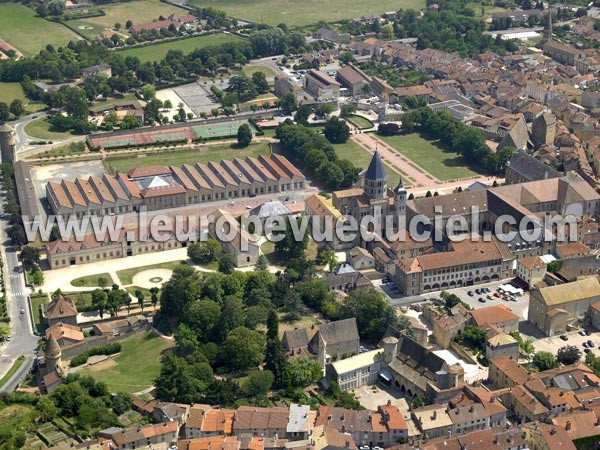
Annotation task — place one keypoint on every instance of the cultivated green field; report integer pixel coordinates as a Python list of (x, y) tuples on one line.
[(297, 13), (186, 156), (21, 28), (136, 368), (159, 51), (138, 11), (361, 159), (430, 156)]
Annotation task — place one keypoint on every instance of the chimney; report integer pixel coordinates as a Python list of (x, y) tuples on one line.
[(434, 416), (568, 425), (471, 408), (562, 394), (312, 327)]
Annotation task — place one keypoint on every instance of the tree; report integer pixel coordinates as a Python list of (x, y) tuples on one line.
[(325, 109), (336, 131), (139, 294), (301, 372), (569, 354), (418, 400), (261, 263), (4, 112), (4, 332), (214, 112), (347, 110), (167, 104), (327, 258), (302, 114), (243, 87), (56, 7), (473, 337), (388, 129), (288, 103), (16, 107), (99, 300), (258, 383), (120, 403), (204, 252), (388, 31), (117, 26), (46, 409), (373, 313), (260, 82), (545, 361), (30, 256), (226, 264), (555, 266), (128, 24), (274, 353), (243, 349), (154, 296), (244, 135)]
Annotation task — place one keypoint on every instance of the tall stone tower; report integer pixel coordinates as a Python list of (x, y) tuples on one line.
[(375, 178), (53, 355), (400, 202), (8, 145), (548, 26)]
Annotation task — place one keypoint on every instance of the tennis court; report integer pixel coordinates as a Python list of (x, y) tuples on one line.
[(219, 130), (169, 137), (118, 142)]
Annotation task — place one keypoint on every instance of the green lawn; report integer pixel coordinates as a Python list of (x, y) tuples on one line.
[(430, 156), (360, 122), (268, 249), (297, 13), (138, 11), (92, 280), (85, 27), (20, 27), (361, 158), (18, 363), (14, 91), (37, 300), (126, 276), (159, 51), (185, 156), (136, 368), (40, 129), (249, 70)]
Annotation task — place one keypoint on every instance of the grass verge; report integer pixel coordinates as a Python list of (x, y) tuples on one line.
[(13, 369)]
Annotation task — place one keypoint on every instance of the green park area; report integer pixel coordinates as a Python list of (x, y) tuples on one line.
[(42, 129), (430, 156), (97, 280), (138, 11), (185, 156), (14, 91), (360, 122), (126, 276), (136, 368), (361, 158), (250, 70), (17, 22), (157, 52), (307, 12)]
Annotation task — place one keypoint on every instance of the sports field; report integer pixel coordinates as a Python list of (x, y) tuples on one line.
[(159, 51), (430, 156), (185, 156), (21, 28), (297, 13), (361, 158)]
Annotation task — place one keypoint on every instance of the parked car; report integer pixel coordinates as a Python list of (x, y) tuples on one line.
[(470, 294), (591, 344), (489, 297), (588, 333), (478, 291), (486, 290), (585, 345), (581, 333), (497, 295), (586, 350), (564, 337), (481, 300)]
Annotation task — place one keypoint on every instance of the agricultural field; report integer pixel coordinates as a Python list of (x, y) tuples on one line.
[(430, 156), (186, 156), (138, 11), (361, 159), (16, 23), (157, 52), (136, 368), (299, 13)]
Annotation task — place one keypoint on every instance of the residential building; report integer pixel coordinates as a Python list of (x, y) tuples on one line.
[(354, 79), (498, 315), (321, 86), (500, 344), (360, 258), (541, 436), (65, 334), (522, 168), (100, 69), (447, 326), (552, 308), (141, 436), (60, 310), (204, 421), (345, 278), (324, 342), (433, 421), (505, 372), (358, 370), (256, 421), (240, 245), (531, 270)]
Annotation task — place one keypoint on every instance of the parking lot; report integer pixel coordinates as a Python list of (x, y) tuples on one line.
[(519, 307), (552, 344)]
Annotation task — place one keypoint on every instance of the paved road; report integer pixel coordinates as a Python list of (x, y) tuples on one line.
[(19, 126), (24, 342)]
